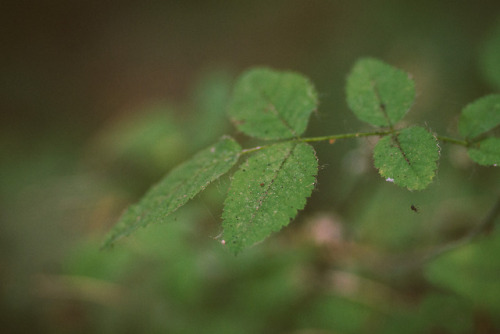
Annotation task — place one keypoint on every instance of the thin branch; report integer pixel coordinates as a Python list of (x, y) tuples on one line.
[(351, 135), (453, 140), (323, 138), (346, 136), (253, 149)]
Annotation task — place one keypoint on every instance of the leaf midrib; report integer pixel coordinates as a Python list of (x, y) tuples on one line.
[(275, 176)]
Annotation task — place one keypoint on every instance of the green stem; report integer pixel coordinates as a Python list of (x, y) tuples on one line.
[(351, 135), (323, 138), (345, 136), (253, 149), (453, 140)]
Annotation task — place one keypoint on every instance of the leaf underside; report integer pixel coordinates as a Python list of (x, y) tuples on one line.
[(409, 158), (272, 105), (266, 193), (480, 116), (179, 186), (486, 152), (378, 93)]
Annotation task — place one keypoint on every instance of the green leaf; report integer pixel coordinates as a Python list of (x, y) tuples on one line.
[(266, 193), (409, 158), (182, 184), (272, 105), (378, 93), (486, 152), (480, 116)]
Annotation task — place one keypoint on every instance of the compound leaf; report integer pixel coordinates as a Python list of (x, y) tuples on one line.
[(266, 193), (486, 152), (182, 184), (378, 93), (480, 116), (408, 158), (272, 105)]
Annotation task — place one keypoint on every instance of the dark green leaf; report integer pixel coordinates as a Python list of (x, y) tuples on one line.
[(480, 116), (378, 93), (486, 152), (272, 105), (409, 158), (266, 193), (182, 184)]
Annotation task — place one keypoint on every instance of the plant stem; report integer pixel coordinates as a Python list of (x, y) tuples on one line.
[(352, 135), (345, 136), (323, 138), (253, 149), (453, 140)]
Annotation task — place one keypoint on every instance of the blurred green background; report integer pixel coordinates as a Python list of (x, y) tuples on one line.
[(98, 100)]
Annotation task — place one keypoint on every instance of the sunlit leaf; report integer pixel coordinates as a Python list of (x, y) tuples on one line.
[(486, 152), (378, 93), (182, 184), (266, 193), (272, 105), (480, 116), (409, 158)]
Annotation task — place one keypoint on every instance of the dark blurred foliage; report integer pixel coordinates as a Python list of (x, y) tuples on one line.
[(99, 99)]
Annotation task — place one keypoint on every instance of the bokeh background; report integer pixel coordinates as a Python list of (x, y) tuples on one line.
[(98, 100)]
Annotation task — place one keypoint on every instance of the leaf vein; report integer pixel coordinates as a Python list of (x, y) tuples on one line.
[(275, 112), (275, 176), (398, 145), (381, 103)]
